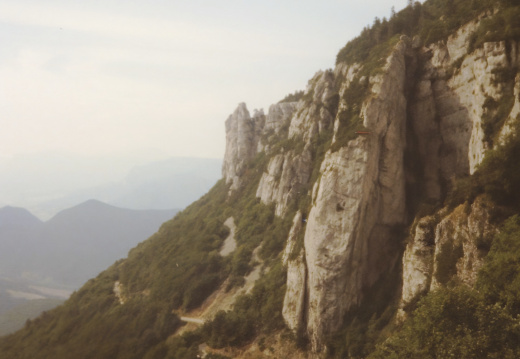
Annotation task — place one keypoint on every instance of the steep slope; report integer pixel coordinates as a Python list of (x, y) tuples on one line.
[(15, 318), (387, 180)]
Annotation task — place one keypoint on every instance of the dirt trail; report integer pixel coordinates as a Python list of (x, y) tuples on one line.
[(223, 299)]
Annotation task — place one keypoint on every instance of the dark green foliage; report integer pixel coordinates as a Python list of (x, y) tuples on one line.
[(252, 314), (184, 347), (498, 176), (433, 21), (503, 26), (446, 259), (176, 263), (15, 318), (292, 97), (464, 189), (465, 323), (454, 323), (499, 279), (366, 325), (93, 315), (349, 118), (496, 112)]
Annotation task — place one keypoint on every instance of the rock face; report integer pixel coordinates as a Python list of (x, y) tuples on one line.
[(424, 118), (515, 111), (418, 261), (289, 172), (284, 180), (295, 296), (276, 123), (246, 136), (446, 247), (242, 137), (359, 197)]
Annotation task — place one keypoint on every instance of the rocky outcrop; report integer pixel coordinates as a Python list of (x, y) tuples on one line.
[(514, 115), (418, 261), (461, 241), (230, 243), (118, 292), (242, 138), (276, 124), (358, 199), (361, 196), (446, 247), (295, 296), (284, 180), (315, 112), (448, 109), (423, 116), (447, 114), (473, 84), (289, 172)]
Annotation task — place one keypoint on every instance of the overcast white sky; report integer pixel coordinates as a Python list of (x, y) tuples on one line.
[(105, 77)]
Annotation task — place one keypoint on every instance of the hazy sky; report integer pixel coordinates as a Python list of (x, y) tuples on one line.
[(111, 76)]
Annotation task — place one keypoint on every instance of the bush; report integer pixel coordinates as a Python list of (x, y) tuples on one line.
[(499, 278), (503, 26), (498, 176), (454, 323), (434, 20), (252, 314), (292, 97), (446, 261)]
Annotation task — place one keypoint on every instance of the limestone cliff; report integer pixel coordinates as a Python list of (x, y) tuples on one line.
[(421, 123), (448, 246), (359, 198), (448, 114), (242, 138)]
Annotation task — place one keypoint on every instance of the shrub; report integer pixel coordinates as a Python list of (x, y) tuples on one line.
[(446, 261), (499, 278), (498, 176), (252, 314), (454, 323), (293, 97)]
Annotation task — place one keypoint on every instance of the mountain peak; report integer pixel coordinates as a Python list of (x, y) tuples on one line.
[(17, 216)]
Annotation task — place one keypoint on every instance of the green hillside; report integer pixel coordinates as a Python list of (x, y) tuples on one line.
[(174, 270), (15, 318)]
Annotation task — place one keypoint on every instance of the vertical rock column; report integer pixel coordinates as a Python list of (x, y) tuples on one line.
[(242, 136), (357, 201)]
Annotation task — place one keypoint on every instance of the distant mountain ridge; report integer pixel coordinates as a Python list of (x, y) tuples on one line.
[(16, 216), (74, 245), (42, 262), (172, 183)]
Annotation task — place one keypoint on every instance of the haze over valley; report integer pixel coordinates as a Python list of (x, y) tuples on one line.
[(48, 183), (81, 215)]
